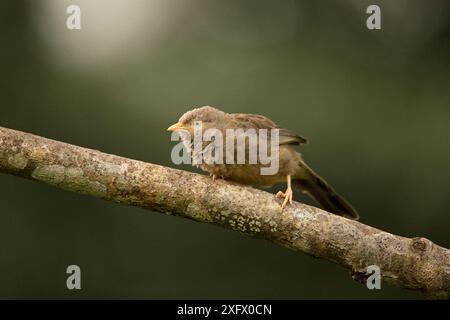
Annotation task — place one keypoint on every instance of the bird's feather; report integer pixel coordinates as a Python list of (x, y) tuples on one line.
[(255, 121)]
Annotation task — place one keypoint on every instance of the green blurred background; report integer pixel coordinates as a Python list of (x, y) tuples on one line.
[(375, 106)]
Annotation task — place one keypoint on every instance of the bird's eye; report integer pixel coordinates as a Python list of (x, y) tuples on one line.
[(195, 121)]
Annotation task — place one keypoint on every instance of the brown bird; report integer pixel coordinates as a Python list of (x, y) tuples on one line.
[(292, 167)]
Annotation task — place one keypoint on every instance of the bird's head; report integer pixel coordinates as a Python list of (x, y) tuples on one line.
[(208, 116)]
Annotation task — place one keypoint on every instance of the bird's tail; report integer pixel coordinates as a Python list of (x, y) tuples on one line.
[(317, 188)]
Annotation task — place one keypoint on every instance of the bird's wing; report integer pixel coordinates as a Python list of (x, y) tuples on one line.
[(256, 121), (290, 137)]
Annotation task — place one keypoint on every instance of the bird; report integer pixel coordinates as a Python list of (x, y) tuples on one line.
[(292, 167)]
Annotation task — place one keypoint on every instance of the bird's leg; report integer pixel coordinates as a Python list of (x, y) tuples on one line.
[(215, 177), (286, 195)]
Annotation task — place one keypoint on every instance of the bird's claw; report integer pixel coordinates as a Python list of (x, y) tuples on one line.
[(287, 197)]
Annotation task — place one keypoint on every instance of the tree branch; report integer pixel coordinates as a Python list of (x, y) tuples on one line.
[(416, 264)]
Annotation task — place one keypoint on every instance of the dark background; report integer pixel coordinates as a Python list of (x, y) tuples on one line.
[(375, 106)]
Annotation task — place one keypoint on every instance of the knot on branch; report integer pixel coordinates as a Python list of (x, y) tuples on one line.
[(420, 245)]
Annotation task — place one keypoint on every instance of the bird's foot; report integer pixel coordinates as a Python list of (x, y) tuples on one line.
[(287, 197), (215, 177)]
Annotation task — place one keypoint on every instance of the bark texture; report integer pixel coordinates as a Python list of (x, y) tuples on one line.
[(416, 263)]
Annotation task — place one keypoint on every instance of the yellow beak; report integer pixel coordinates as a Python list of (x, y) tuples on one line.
[(177, 126)]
